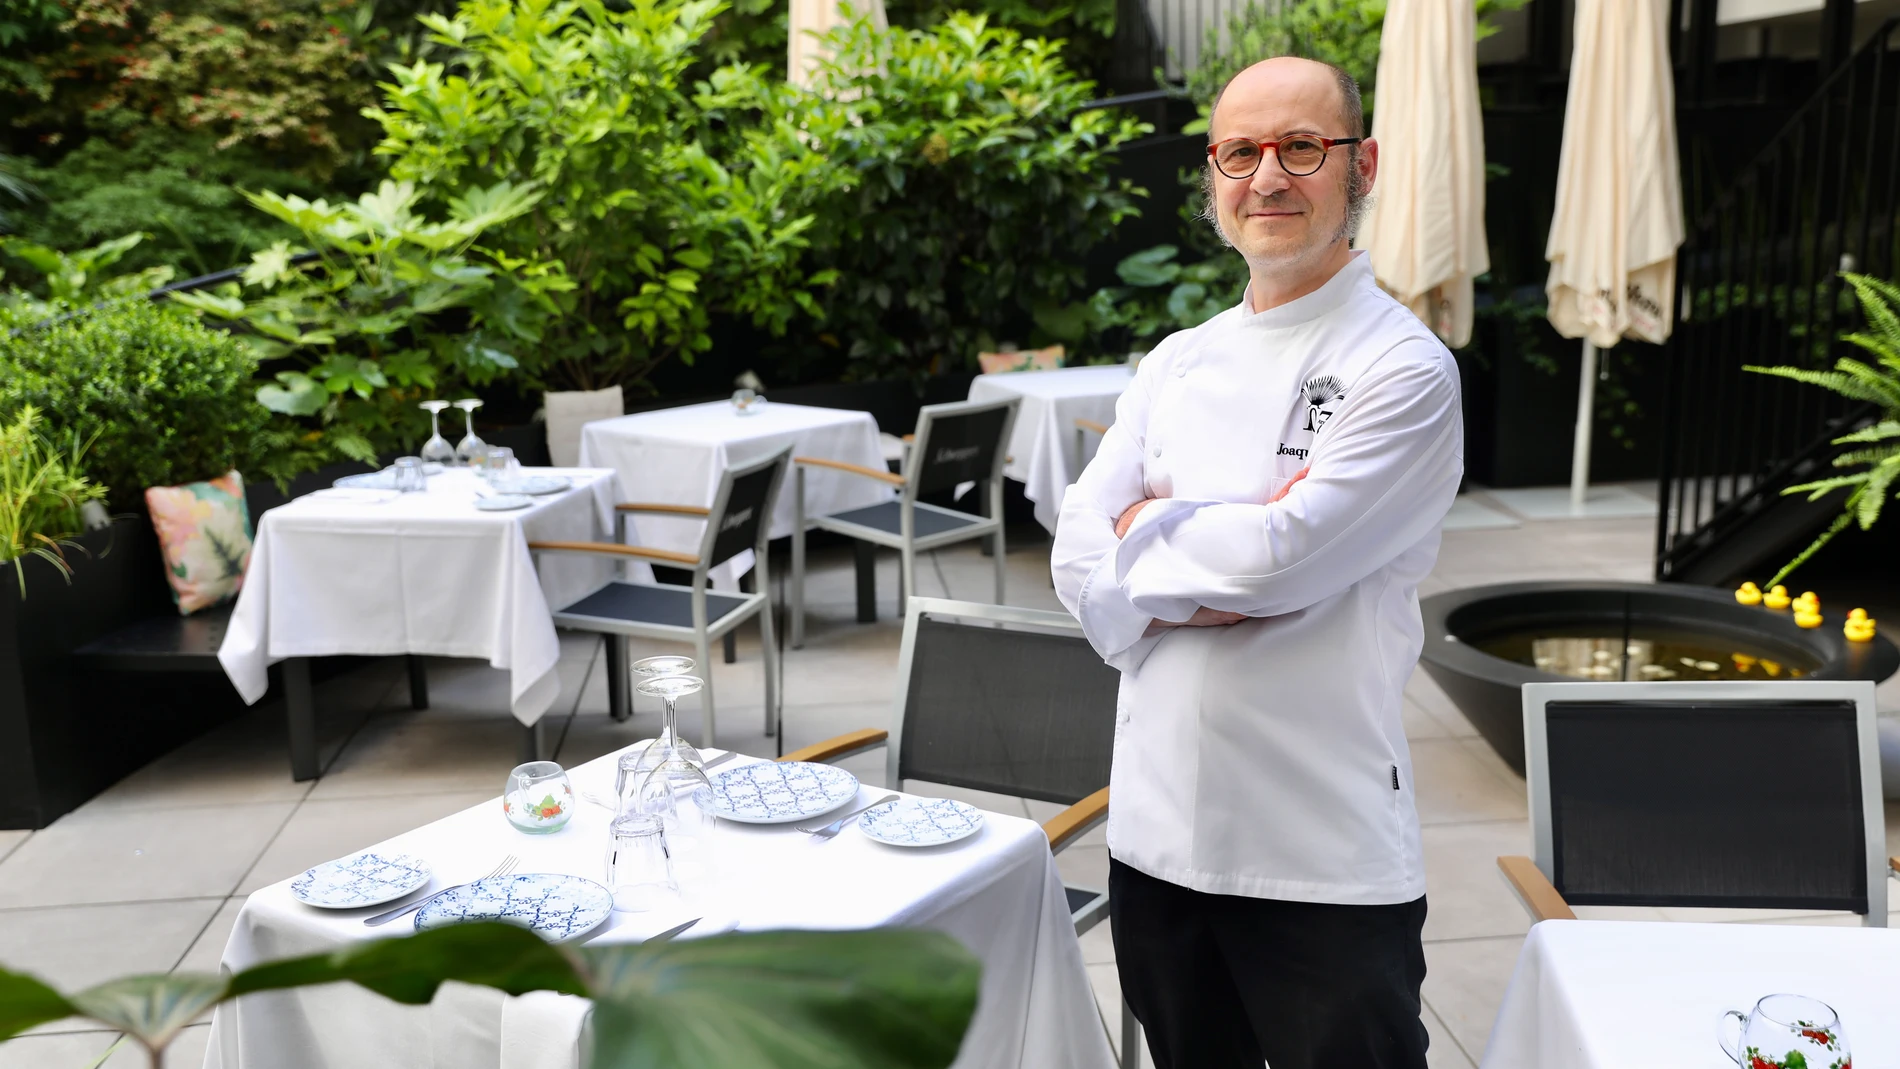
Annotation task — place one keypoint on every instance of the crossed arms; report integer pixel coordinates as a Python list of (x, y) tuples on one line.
[(1128, 564)]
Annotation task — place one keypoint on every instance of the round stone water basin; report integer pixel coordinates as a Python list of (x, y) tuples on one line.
[(1483, 643)]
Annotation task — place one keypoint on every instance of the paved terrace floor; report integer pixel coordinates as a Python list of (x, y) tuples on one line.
[(149, 876)]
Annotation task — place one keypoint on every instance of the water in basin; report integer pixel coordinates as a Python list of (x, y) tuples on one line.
[(1644, 654)]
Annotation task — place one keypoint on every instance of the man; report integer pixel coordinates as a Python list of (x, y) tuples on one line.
[(1246, 547)]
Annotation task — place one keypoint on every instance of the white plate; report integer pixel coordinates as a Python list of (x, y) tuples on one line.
[(366, 879), (557, 906), (380, 480), (775, 792), (534, 485), (503, 502), (921, 822)]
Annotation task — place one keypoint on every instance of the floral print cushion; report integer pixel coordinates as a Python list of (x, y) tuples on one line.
[(204, 531)]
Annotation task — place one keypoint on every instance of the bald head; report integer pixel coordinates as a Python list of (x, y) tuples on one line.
[(1283, 75)]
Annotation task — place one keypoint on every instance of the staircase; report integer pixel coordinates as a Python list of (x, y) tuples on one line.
[(1760, 285)]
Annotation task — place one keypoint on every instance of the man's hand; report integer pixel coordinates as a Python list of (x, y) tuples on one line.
[(1127, 519), (1288, 488)]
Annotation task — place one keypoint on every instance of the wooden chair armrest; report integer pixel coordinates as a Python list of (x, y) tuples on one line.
[(840, 746), (1063, 828), (1533, 889), (1091, 425), (909, 439), (684, 559), (644, 506), (1894, 864), (855, 469)]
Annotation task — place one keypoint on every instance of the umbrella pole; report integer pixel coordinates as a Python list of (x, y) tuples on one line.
[(1586, 414)]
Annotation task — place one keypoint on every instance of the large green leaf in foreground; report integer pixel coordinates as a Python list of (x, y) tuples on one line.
[(767, 1000)]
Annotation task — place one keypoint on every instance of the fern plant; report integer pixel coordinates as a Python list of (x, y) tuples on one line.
[(41, 492), (1877, 450)]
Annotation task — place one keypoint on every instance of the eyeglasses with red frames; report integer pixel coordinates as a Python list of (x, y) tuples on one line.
[(1299, 154)]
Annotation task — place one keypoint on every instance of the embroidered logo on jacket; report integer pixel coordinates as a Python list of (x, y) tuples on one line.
[(1320, 391)]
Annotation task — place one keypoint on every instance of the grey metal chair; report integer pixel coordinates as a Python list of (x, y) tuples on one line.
[(739, 519), (954, 444), (1008, 700), (1750, 795)]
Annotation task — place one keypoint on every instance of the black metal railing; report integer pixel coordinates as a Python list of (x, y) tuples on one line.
[(1760, 284)]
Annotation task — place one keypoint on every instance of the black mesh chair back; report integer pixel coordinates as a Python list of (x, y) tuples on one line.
[(960, 443), (995, 705), (1755, 803), (750, 493)]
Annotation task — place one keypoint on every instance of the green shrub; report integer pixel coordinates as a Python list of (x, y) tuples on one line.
[(164, 399), (41, 491), (972, 188)]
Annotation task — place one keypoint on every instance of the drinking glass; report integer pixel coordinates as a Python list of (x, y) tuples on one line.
[(669, 791), (437, 449), (665, 678), (639, 864), (745, 401), (501, 468), (471, 450), (409, 477), (1787, 1030), (538, 798)]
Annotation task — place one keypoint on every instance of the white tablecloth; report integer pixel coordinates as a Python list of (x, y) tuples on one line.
[(998, 892), (1630, 995), (1042, 446), (676, 456), (363, 572)]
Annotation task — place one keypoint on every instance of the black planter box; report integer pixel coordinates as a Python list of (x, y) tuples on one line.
[(65, 735)]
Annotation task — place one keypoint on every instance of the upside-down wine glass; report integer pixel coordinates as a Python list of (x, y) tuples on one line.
[(437, 449), (634, 766), (672, 757), (471, 451)]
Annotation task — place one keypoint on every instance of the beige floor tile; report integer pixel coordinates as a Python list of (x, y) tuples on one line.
[(325, 829), (239, 763), (10, 841), (1420, 724), (1084, 866), (1444, 1052), (399, 754), (1098, 945), (138, 855), (1466, 895), (208, 950), (1465, 982), (74, 947), (1456, 785), (1618, 913), (1108, 999), (188, 1049), (1422, 692), (71, 1050)]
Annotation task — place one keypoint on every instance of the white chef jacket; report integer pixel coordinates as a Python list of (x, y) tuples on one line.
[(1267, 758)]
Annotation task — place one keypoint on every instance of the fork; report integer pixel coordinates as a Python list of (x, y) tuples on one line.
[(832, 829), (507, 866)]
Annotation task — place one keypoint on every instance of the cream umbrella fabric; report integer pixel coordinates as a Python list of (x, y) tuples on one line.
[(809, 21), (1425, 230), (1618, 216)]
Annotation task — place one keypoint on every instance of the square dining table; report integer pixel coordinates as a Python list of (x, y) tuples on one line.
[(676, 456), (374, 572), (1616, 994), (1045, 454), (998, 892)]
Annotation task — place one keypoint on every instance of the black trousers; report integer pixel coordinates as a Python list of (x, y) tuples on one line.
[(1221, 980)]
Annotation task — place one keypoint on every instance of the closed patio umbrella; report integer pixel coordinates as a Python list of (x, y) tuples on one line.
[(809, 21), (1425, 230), (1618, 217)]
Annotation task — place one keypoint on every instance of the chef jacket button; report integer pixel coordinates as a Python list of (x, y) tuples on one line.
[(1157, 450), (1180, 372)]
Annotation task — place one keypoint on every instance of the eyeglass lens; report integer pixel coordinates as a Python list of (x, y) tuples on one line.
[(1299, 156)]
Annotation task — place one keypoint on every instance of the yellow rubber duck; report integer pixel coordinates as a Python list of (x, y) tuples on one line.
[(1773, 668), (1743, 662), (1776, 598), (1804, 618), (1807, 603), (1859, 626), (1748, 594)]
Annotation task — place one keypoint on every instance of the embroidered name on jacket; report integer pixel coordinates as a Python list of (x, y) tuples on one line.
[(1320, 391)]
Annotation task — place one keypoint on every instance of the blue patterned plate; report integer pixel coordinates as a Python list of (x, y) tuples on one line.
[(921, 822), (366, 879), (503, 502), (771, 792), (556, 906)]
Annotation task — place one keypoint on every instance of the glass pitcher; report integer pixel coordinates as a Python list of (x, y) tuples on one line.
[(538, 798), (1786, 1032)]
